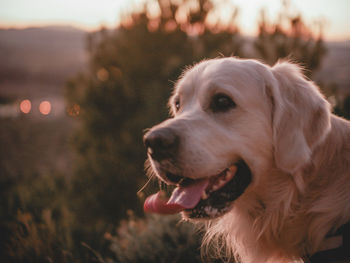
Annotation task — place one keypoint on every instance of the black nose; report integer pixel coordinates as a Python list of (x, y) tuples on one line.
[(161, 143)]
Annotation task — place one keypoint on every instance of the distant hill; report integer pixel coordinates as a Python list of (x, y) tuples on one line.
[(37, 61), (336, 66)]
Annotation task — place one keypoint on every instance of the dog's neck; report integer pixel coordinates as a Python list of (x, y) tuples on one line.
[(325, 199), (333, 159)]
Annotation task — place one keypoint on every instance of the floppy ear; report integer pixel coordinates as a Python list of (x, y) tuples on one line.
[(301, 117)]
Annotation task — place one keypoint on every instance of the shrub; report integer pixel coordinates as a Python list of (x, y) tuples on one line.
[(156, 239)]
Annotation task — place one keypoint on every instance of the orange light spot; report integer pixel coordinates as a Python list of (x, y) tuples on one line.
[(153, 25), (25, 106), (74, 111), (45, 107), (102, 74), (171, 25), (108, 236)]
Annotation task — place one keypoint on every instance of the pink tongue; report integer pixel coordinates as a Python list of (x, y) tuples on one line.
[(181, 198)]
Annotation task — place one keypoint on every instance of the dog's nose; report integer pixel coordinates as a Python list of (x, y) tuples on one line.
[(161, 143)]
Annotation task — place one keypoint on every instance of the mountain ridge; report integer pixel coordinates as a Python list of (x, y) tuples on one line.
[(41, 59)]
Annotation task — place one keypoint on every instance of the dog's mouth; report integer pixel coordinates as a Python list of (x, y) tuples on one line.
[(202, 198)]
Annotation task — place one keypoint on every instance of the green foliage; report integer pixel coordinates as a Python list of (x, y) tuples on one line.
[(41, 225), (156, 239), (30, 184), (289, 38), (33, 241), (38, 220)]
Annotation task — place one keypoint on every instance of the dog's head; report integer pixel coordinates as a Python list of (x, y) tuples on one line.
[(232, 122)]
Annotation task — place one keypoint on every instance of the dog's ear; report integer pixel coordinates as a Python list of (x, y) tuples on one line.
[(301, 117)]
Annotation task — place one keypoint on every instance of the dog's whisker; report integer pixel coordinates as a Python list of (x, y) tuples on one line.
[(145, 185)]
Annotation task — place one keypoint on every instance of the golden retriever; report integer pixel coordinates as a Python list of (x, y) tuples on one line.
[(256, 153)]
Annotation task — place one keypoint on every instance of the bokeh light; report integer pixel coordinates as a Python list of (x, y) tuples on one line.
[(102, 74), (25, 106), (74, 110), (45, 107)]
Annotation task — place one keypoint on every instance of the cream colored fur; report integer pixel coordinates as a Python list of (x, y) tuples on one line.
[(297, 150)]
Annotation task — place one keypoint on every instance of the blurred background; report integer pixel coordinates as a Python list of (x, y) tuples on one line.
[(81, 80)]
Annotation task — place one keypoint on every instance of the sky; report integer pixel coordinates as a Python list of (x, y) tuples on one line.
[(90, 15)]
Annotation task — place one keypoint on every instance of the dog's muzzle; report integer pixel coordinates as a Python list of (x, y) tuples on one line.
[(207, 197)]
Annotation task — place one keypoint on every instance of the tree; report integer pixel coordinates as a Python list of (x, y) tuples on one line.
[(125, 91), (290, 38)]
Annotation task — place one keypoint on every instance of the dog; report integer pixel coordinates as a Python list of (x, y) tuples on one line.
[(256, 154)]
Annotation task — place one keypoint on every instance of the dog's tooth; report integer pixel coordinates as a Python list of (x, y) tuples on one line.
[(230, 173), (215, 187), (223, 181), (233, 169), (219, 183), (229, 176), (204, 195)]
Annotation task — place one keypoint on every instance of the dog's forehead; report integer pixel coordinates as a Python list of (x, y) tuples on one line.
[(235, 76)]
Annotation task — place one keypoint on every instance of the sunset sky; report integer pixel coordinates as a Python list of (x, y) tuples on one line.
[(90, 15)]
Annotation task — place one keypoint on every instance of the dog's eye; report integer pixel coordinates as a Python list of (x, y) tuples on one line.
[(177, 104), (221, 103)]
